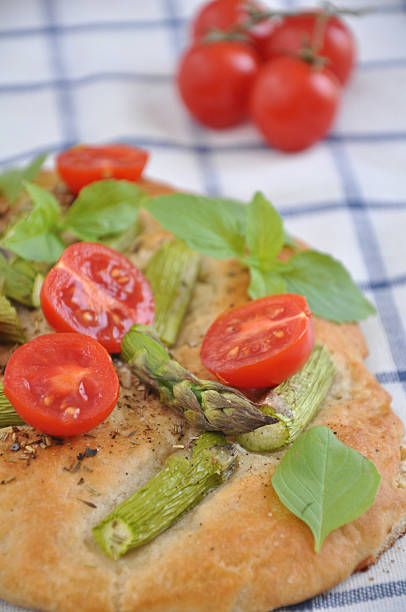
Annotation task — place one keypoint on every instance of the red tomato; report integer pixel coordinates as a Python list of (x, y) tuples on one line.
[(214, 81), (84, 164), (261, 343), (338, 46), (61, 384), (96, 291), (224, 14), (294, 104)]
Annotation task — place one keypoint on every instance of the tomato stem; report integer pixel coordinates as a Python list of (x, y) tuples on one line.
[(319, 31), (240, 30)]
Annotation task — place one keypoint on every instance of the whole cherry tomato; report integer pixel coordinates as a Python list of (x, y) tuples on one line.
[(338, 43), (62, 384), (224, 14), (84, 164), (261, 343), (96, 291), (293, 103), (215, 80)]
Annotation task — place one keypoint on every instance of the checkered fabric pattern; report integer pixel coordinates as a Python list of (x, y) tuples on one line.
[(102, 71)]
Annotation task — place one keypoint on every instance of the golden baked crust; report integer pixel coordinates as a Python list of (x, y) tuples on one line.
[(240, 549)]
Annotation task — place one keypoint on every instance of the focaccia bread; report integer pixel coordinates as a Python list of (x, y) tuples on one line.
[(239, 549)]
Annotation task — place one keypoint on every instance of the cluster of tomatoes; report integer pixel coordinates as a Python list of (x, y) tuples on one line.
[(285, 72)]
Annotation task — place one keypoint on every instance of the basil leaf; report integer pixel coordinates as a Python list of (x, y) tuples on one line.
[(327, 286), (46, 205), (291, 242), (33, 237), (211, 226), (265, 283), (103, 208), (264, 233), (12, 181), (324, 482)]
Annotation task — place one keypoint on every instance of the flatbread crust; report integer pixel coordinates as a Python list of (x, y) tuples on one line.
[(240, 549)]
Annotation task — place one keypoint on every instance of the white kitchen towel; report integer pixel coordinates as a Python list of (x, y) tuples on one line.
[(101, 71)]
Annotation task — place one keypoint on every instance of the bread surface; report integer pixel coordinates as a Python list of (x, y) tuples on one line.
[(240, 549)]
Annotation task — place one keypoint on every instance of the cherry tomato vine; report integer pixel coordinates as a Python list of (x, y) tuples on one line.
[(284, 69)]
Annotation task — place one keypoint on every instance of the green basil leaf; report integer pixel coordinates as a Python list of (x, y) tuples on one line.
[(327, 286), (265, 283), (264, 233), (34, 236), (46, 206), (324, 482), (103, 208), (291, 242), (12, 181), (214, 227)]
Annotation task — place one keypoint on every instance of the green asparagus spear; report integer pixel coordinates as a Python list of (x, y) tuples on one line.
[(182, 483), (22, 281), (204, 403), (295, 402), (8, 415), (172, 273), (213, 406), (124, 240), (10, 326)]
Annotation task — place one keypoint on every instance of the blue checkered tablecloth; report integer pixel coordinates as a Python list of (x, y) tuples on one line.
[(100, 71)]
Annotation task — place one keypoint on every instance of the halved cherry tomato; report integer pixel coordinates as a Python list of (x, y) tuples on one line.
[(224, 14), (96, 291), (84, 164), (215, 80), (261, 343), (61, 384), (338, 44)]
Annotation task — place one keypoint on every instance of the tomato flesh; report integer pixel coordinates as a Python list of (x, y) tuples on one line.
[(261, 343), (62, 384), (96, 291), (85, 164)]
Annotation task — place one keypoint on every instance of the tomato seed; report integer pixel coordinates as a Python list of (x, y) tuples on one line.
[(233, 352), (278, 333), (115, 272), (123, 279), (72, 410), (116, 318), (48, 399), (255, 348)]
